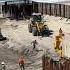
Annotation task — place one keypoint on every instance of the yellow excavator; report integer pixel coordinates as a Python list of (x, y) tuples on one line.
[(37, 25)]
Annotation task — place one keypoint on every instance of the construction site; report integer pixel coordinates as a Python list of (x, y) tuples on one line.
[(37, 31)]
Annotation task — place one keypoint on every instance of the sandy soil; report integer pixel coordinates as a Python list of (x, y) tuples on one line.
[(19, 39)]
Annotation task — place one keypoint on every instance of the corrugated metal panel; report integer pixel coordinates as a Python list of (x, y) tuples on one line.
[(67, 11), (52, 9), (49, 9), (44, 11), (46, 8), (62, 10), (49, 64), (39, 9), (66, 2), (55, 9), (58, 10), (35, 7)]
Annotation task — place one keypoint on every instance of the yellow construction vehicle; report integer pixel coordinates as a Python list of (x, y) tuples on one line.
[(37, 26)]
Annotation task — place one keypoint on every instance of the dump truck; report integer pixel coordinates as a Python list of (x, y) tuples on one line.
[(37, 25)]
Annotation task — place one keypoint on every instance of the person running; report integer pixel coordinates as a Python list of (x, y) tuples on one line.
[(34, 44), (21, 63)]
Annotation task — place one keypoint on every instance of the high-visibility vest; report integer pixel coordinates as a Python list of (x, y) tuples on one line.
[(21, 61)]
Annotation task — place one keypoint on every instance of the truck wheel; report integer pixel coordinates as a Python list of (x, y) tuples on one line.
[(30, 28), (34, 31)]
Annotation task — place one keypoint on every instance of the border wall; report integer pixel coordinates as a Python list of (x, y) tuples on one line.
[(49, 64), (53, 9)]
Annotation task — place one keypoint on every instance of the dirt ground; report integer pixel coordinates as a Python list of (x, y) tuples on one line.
[(19, 40)]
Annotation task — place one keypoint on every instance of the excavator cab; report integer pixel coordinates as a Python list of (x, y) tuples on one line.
[(36, 17)]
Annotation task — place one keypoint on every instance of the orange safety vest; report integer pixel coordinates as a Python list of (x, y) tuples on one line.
[(58, 41), (21, 61)]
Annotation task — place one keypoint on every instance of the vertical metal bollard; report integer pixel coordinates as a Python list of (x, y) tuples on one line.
[(43, 62), (49, 67), (69, 64), (46, 64), (51, 64), (57, 65), (63, 64)]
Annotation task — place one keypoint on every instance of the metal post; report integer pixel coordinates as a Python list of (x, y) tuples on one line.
[(1, 13)]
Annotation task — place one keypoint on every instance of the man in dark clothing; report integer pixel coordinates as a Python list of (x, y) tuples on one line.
[(34, 44)]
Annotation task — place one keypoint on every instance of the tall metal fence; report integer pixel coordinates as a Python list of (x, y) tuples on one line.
[(49, 64), (52, 9)]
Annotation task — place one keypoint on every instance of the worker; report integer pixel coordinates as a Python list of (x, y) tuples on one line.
[(58, 43), (58, 47), (34, 44), (21, 63), (3, 66), (61, 32), (58, 40)]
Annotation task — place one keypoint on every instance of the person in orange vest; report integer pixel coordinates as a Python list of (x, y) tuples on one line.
[(21, 63), (57, 42)]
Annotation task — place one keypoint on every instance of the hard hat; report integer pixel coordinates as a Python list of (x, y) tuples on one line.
[(3, 63)]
